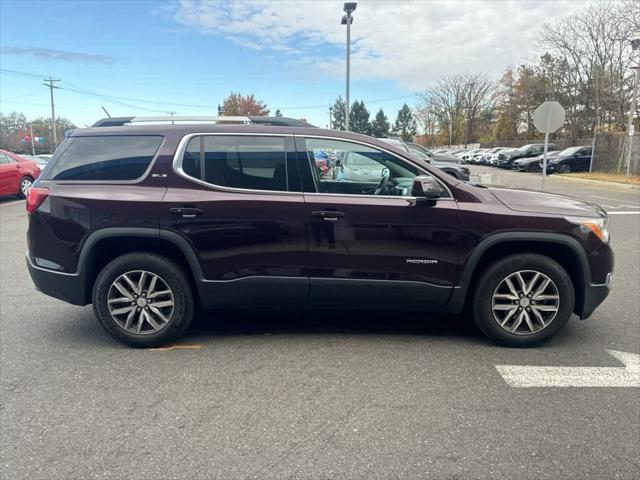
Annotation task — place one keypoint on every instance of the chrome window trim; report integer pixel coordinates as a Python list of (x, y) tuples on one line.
[(375, 147), (109, 182), (176, 164)]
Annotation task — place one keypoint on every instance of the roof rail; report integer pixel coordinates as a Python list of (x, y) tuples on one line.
[(256, 120)]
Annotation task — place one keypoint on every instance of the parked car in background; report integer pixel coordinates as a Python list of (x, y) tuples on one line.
[(436, 155), (484, 158), (529, 150), (458, 171), (16, 174), (36, 158), (151, 222), (533, 164), (494, 158), (572, 159), (471, 156)]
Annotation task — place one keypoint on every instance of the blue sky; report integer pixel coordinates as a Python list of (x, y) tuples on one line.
[(159, 54)]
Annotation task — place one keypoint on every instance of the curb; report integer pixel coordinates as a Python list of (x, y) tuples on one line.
[(599, 182)]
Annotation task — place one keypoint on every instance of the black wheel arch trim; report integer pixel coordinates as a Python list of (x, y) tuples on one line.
[(460, 291)]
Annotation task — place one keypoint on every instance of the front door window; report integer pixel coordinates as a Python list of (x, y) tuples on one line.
[(349, 168)]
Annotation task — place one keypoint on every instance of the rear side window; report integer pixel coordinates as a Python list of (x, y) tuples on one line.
[(105, 158), (237, 161)]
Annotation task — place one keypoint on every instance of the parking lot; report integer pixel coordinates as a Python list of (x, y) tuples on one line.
[(299, 394)]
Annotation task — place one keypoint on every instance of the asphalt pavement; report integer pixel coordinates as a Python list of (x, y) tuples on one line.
[(299, 394)]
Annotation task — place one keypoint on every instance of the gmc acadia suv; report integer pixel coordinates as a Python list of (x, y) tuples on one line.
[(148, 221)]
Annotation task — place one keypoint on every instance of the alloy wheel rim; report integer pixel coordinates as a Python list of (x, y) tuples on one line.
[(525, 302), (140, 302), (25, 185)]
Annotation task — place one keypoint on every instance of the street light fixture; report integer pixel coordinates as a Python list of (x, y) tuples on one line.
[(349, 8)]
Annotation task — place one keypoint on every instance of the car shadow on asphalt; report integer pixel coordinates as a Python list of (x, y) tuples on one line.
[(322, 322)]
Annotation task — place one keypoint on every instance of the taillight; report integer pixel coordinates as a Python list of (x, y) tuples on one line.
[(35, 197)]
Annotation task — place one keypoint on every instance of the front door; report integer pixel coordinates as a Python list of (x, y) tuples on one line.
[(583, 159), (242, 210), (370, 244), (9, 175)]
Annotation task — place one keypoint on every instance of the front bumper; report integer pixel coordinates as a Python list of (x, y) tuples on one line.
[(69, 287)]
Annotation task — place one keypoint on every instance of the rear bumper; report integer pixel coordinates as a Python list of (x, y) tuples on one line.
[(594, 295), (69, 287)]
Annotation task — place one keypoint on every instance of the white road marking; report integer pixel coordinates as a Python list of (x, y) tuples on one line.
[(623, 213), (11, 203), (609, 198), (527, 377)]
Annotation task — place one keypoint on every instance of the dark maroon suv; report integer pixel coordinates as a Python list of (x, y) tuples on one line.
[(148, 220)]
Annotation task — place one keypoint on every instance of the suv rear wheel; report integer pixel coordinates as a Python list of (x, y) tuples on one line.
[(143, 299), (523, 300)]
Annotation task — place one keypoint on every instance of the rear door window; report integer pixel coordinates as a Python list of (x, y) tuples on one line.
[(237, 161), (116, 157)]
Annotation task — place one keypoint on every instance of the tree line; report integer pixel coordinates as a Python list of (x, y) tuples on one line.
[(405, 125), (15, 132), (585, 64)]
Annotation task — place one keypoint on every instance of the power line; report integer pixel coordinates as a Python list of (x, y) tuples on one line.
[(71, 87)]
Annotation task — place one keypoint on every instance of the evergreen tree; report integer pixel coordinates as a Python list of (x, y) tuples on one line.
[(405, 125), (278, 113), (380, 125), (338, 114), (359, 118)]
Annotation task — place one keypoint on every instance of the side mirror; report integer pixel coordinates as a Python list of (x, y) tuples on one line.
[(425, 186)]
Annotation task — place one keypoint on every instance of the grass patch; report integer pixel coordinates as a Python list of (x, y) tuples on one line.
[(607, 177)]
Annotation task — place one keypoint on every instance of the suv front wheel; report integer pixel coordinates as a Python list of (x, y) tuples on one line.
[(143, 299), (523, 300)]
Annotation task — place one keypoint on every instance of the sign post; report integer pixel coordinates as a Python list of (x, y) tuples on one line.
[(548, 118)]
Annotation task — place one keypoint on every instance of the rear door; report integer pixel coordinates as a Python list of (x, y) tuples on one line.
[(237, 201), (369, 243)]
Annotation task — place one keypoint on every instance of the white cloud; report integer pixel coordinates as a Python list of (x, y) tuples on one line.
[(410, 42)]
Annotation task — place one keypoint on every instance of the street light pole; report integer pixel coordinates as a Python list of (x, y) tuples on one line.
[(349, 8)]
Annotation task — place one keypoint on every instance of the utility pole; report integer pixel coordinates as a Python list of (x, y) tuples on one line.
[(33, 147), (632, 113), (597, 124), (172, 114), (635, 46), (54, 136)]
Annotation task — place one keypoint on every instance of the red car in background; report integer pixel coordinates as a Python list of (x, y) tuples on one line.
[(16, 174)]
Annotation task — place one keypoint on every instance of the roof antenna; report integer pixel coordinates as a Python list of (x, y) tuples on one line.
[(105, 111)]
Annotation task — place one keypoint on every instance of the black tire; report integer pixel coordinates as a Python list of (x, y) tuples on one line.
[(21, 190), (564, 168), (491, 278), (174, 277)]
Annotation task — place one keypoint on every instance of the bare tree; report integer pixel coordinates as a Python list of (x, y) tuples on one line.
[(595, 42), (459, 101)]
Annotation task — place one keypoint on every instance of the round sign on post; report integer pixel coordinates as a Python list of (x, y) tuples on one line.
[(548, 118)]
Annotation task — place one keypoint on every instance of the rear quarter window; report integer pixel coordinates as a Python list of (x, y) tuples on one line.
[(117, 157)]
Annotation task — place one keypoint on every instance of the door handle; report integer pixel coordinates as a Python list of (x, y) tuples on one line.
[(186, 212), (328, 215)]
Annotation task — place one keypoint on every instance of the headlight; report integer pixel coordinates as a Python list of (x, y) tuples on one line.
[(599, 226)]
